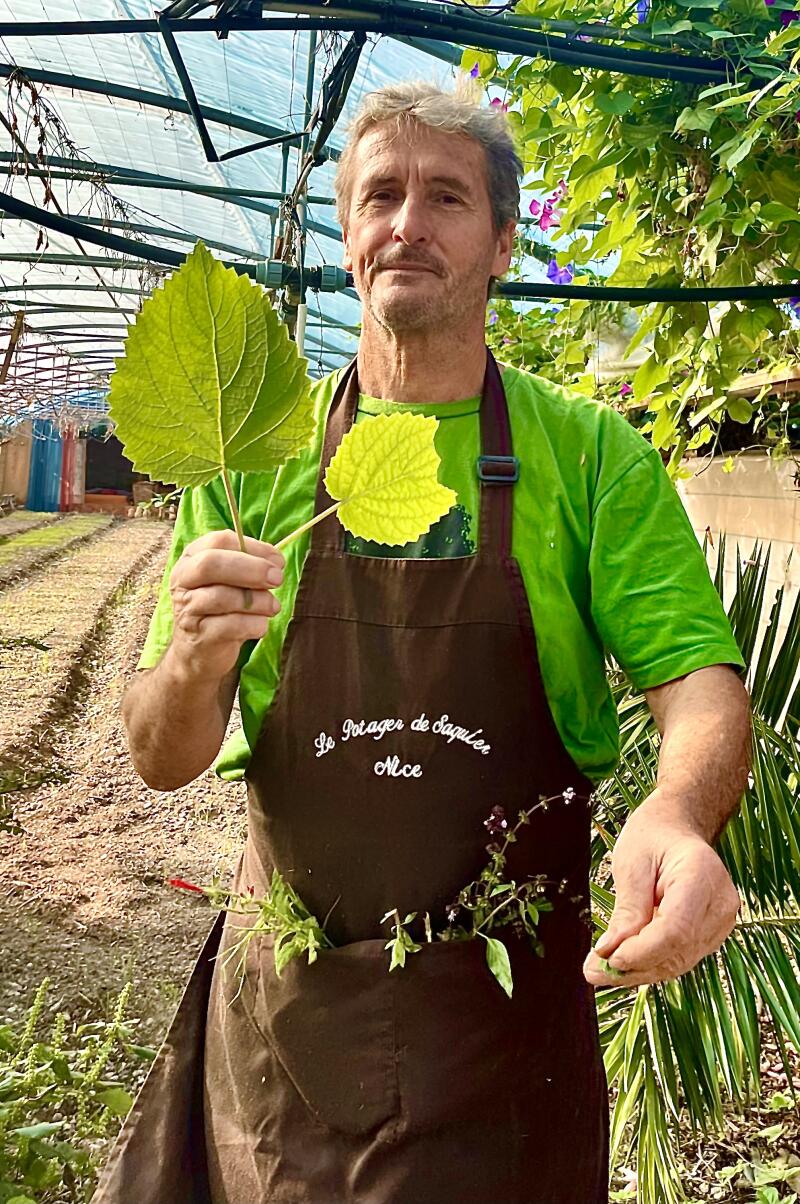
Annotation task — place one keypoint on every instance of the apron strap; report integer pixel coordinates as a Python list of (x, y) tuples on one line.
[(497, 467)]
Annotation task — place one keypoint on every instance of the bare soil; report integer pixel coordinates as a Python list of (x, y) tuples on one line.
[(84, 898)]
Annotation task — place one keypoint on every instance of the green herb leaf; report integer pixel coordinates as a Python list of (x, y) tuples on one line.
[(117, 1100), (498, 961), (385, 477), (210, 380)]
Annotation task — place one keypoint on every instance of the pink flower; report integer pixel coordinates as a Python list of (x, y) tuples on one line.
[(535, 208), (625, 389), (550, 217), (498, 104)]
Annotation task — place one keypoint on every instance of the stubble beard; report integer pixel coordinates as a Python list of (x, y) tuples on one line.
[(442, 310)]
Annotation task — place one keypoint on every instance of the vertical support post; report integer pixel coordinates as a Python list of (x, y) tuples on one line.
[(16, 333), (302, 207)]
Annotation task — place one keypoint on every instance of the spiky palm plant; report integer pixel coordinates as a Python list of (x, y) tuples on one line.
[(679, 1051)]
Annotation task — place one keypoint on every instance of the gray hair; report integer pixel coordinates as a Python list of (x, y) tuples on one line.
[(418, 102)]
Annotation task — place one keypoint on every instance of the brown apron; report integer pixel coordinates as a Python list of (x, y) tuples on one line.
[(339, 1082)]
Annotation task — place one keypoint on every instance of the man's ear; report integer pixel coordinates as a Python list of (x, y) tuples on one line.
[(505, 248), (347, 259)]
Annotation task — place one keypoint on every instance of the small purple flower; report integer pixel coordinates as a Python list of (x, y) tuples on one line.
[(497, 823), (557, 275), (475, 72), (498, 104), (788, 15), (642, 11), (769, 2), (794, 306), (535, 208), (492, 316), (507, 339), (625, 389)]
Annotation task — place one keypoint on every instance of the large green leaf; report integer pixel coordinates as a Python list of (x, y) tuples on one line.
[(210, 380), (384, 476)]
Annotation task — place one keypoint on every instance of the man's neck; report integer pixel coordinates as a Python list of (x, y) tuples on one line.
[(424, 367)]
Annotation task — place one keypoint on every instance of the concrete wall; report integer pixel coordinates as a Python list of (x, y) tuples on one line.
[(758, 500), (15, 463)]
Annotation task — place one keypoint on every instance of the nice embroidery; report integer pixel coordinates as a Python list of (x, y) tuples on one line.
[(392, 766)]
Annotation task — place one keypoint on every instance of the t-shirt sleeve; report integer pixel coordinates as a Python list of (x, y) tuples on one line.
[(201, 509), (654, 604)]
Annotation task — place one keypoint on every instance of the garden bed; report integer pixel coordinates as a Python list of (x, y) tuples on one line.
[(47, 624), (83, 885), (25, 520), (23, 553)]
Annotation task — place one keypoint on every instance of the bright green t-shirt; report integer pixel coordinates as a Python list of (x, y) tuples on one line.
[(606, 551)]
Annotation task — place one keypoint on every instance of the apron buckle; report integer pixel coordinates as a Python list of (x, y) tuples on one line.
[(498, 470)]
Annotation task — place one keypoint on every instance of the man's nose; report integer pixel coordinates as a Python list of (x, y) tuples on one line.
[(410, 222)]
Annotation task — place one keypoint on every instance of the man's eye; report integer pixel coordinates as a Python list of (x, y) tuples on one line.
[(448, 196)]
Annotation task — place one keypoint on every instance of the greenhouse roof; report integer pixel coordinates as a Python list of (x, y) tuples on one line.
[(131, 134), (99, 135)]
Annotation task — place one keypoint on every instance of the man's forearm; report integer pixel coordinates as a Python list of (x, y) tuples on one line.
[(175, 724), (705, 750)]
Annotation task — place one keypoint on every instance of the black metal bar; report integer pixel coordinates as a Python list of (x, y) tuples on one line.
[(422, 20), (188, 88), (527, 290), (158, 100)]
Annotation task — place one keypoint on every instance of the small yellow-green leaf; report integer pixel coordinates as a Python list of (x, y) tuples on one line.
[(385, 475)]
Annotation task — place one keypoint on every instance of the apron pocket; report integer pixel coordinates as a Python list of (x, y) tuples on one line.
[(331, 1027)]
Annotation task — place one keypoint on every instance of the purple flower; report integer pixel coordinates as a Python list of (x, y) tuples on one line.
[(788, 15), (507, 339), (492, 316), (794, 306), (475, 72), (498, 104), (625, 389), (497, 823), (769, 1), (642, 11), (559, 275), (535, 208)]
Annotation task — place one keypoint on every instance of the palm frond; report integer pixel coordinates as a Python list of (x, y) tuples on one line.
[(682, 1050)]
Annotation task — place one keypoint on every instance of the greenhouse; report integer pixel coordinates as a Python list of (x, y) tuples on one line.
[(513, 430)]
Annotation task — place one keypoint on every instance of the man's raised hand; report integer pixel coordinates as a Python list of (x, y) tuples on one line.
[(211, 618)]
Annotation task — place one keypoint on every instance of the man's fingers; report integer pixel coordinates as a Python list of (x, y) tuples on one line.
[(220, 566), (227, 600), (228, 540), (690, 923), (635, 887)]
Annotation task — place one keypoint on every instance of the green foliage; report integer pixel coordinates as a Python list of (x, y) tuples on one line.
[(59, 1095), (210, 381), (683, 1050), (667, 183)]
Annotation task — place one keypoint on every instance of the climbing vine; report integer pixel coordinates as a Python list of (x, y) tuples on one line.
[(642, 181)]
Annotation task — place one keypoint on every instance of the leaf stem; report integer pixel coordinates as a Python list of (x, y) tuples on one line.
[(312, 522), (237, 522)]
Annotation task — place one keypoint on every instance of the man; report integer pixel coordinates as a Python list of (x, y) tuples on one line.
[(336, 1081)]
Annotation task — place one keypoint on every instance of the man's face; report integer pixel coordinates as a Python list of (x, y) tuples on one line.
[(420, 240)]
